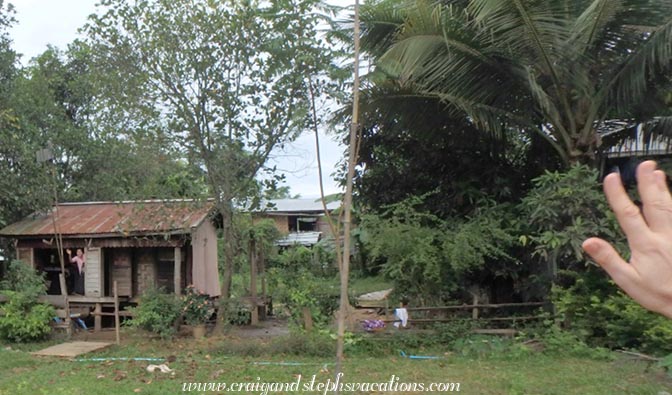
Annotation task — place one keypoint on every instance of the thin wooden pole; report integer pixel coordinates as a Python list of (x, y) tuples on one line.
[(116, 310), (177, 271), (387, 308), (68, 320), (253, 282), (474, 311), (262, 275), (97, 317), (347, 205)]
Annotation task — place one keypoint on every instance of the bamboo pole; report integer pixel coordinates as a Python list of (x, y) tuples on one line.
[(347, 204)]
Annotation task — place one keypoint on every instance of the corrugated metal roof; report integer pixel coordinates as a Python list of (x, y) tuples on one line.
[(639, 141), (301, 238), (106, 218)]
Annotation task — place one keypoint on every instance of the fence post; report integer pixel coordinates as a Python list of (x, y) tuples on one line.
[(474, 311), (116, 310)]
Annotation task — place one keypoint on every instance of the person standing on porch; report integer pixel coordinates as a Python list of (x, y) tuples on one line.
[(80, 261)]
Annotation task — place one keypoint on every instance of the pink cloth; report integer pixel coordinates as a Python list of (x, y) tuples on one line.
[(79, 261)]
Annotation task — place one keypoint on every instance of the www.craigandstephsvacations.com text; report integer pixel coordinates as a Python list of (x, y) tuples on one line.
[(323, 387)]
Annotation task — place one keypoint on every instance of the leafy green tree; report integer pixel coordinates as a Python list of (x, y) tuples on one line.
[(228, 78), (443, 158), (555, 68), (432, 259), (564, 209), (23, 185), (57, 100), (282, 192)]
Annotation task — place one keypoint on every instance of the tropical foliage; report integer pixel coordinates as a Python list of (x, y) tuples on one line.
[(433, 260), (558, 69), (158, 312), (23, 318)]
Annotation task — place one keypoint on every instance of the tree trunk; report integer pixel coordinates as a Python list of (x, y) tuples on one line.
[(584, 152), (253, 282), (226, 211)]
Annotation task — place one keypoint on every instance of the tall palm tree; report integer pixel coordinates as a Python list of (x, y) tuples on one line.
[(558, 68)]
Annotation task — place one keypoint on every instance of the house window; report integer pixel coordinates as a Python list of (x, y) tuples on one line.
[(302, 224)]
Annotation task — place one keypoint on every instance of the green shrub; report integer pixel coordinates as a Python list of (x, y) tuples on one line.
[(319, 260), (22, 278), (299, 289), (566, 343), (24, 319), (239, 313), (157, 312), (448, 333), (596, 312), (433, 259)]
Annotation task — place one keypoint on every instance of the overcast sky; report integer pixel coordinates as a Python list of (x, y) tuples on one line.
[(55, 22)]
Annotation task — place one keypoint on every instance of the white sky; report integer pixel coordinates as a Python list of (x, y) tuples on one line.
[(55, 22)]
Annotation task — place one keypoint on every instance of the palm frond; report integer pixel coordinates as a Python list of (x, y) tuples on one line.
[(590, 24), (546, 104), (433, 52), (630, 82), (527, 29), (381, 24)]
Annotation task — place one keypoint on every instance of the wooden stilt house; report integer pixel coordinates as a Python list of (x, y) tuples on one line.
[(139, 244)]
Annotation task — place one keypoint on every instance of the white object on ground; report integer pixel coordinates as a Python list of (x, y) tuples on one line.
[(163, 368)]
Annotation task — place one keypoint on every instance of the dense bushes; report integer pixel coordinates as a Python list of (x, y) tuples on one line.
[(429, 258), (598, 313), (23, 318), (537, 241), (565, 209), (157, 312), (301, 277), (300, 288)]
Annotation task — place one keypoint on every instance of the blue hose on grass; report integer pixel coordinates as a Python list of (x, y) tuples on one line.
[(403, 354)]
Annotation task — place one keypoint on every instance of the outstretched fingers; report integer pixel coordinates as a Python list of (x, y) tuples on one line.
[(657, 203), (628, 215), (620, 271)]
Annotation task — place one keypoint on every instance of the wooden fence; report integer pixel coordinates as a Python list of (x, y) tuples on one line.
[(493, 313)]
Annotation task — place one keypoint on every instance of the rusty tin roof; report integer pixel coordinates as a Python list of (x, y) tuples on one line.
[(114, 218)]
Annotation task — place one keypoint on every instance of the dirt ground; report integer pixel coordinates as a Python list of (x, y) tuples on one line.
[(269, 328)]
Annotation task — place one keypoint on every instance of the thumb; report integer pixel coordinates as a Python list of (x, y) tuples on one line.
[(606, 256)]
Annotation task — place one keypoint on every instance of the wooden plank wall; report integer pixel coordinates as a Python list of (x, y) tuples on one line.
[(26, 255), (121, 270), (93, 272)]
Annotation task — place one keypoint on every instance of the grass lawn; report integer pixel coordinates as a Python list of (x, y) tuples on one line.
[(205, 361)]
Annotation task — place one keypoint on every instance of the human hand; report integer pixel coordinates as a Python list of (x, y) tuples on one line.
[(69, 251), (648, 276)]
